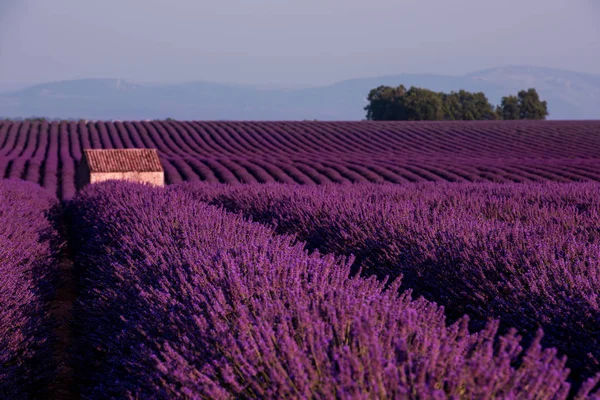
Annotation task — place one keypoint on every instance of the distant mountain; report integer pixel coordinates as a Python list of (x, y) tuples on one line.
[(13, 86), (570, 95)]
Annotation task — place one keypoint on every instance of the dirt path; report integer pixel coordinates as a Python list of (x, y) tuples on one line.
[(64, 387)]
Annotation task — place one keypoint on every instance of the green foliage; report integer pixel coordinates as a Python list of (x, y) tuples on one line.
[(423, 105), (385, 104), (530, 106), (467, 106), (526, 105), (417, 104), (398, 104), (509, 109)]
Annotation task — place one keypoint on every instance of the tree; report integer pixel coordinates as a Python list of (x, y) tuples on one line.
[(423, 105), (530, 106), (453, 108), (398, 104), (385, 103), (467, 106), (417, 104), (509, 109), (526, 105)]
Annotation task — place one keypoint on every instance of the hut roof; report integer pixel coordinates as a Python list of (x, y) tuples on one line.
[(123, 160)]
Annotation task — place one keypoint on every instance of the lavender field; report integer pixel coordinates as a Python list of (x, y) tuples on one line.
[(181, 299), (527, 254), (29, 252), (303, 260), (312, 152)]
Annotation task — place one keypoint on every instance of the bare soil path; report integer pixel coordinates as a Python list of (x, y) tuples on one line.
[(64, 387)]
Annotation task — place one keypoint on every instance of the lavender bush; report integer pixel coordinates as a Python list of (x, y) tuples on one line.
[(29, 247), (181, 300), (528, 254)]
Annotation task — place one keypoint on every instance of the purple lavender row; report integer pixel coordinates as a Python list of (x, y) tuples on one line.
[(181, 300), (29, 247), (312, 152), (528, 254)]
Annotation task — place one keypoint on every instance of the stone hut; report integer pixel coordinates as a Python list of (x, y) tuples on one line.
[(137, 165)]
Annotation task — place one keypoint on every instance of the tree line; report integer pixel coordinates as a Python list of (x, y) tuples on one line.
[(417, 104)]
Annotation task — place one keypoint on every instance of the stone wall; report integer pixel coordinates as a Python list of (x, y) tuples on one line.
[(154, 178)]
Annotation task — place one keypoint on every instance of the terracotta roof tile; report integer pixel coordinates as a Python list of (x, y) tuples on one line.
[(123, 160)]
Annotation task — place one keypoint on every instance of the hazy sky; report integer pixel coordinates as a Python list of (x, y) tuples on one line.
[(289, 41)]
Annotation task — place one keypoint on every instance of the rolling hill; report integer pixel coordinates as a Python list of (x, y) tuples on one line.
[(570, 95)]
